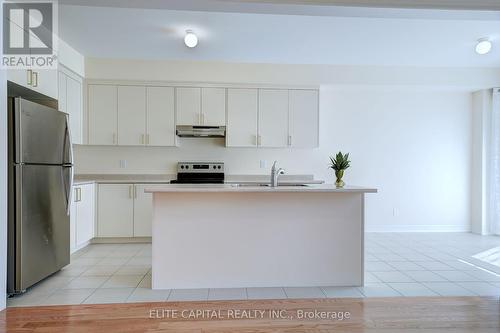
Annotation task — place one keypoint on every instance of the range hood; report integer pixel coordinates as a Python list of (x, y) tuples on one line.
[(187, 131)]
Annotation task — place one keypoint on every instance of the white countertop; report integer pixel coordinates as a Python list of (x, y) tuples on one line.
[(198, 188), (166, 178)]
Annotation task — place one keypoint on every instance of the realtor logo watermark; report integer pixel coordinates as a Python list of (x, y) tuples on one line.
[(29, 35)]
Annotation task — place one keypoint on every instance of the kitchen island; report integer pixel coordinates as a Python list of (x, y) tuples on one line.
[(229, 236)]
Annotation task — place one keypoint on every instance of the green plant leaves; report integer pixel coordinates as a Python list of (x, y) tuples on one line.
[(340, 162)]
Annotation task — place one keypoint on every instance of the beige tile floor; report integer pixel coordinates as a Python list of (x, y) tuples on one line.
[(396, 264)]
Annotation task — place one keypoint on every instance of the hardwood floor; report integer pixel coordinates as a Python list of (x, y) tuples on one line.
[(417, 314)]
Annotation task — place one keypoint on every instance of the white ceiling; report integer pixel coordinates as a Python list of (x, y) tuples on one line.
[(346, 36)]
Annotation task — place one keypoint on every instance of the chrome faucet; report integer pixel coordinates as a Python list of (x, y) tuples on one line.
[(275, 173)]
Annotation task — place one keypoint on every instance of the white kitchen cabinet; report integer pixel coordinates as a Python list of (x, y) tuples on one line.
[(160, 116), (72, 224), (85, 218), (143, 211), (213, 106), (70, 101), (273, 118), (188, 100), (303, 119), (62, 101), (242, 110), (74, 108), (102, 107), (131, 115), (43, 81), (115, 210), (82, 216)]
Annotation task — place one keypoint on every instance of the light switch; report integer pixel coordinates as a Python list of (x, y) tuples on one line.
[(263, 164), (123, 164)]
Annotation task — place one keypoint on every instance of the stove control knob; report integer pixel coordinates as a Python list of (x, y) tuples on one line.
[(219, 167), (182, 166)]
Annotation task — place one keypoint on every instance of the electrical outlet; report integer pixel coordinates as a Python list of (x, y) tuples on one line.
[(263, 164), (123, 164)]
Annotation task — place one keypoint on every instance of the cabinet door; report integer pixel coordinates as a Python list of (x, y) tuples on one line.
[(102, 114), (143, 211), (72, 221), (19, 76), (241, 128), (160, 116), (62, 101), (273, 118), (46, 82), (304, 118), (131, 115), (74, 108), (115, 210), (213, 106), (85, 219), (188, 106)]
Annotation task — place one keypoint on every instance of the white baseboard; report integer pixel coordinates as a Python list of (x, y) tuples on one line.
[(417, 228), (120, 240)]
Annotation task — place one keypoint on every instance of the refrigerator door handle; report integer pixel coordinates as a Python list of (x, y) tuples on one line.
[(68, 143), (69, 192)]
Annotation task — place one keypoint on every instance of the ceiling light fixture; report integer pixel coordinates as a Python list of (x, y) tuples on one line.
[(191, 40), (483, 46)]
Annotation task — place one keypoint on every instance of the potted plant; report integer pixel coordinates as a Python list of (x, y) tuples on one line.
[(339, 164)]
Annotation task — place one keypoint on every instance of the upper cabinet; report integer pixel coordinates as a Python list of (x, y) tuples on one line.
[(213, 106), (70, 101), (273, 118), (160, 110), (303, 118), (201, 106), (131, 115), (242, 109), (188, 106), (43, 81), (103, 114), (147, 115)]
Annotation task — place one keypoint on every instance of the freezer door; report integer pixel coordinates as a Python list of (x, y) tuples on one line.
[(40, 134), (42, 222)]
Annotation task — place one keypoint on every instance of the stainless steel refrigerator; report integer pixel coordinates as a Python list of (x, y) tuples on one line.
[(40, 181)]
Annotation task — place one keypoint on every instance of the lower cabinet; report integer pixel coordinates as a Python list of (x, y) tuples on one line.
[(82, 216), (123, 210), (143, 211)]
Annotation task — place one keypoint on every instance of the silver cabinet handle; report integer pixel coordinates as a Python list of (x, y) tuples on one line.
[(79, 194), (135, 192), (114, 138), (76, 194), (35, 79), (259, 140), (147, 139), (130, 190), (142, 139), (29, 79), (289, 140)]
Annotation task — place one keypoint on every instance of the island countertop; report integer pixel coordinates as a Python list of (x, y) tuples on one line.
[(199, 188)]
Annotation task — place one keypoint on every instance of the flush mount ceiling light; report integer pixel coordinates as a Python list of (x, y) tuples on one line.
[(483, 46), (191, 40)]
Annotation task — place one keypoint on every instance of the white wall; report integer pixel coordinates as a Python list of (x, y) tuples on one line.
[(481, 122), (414, 144)]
